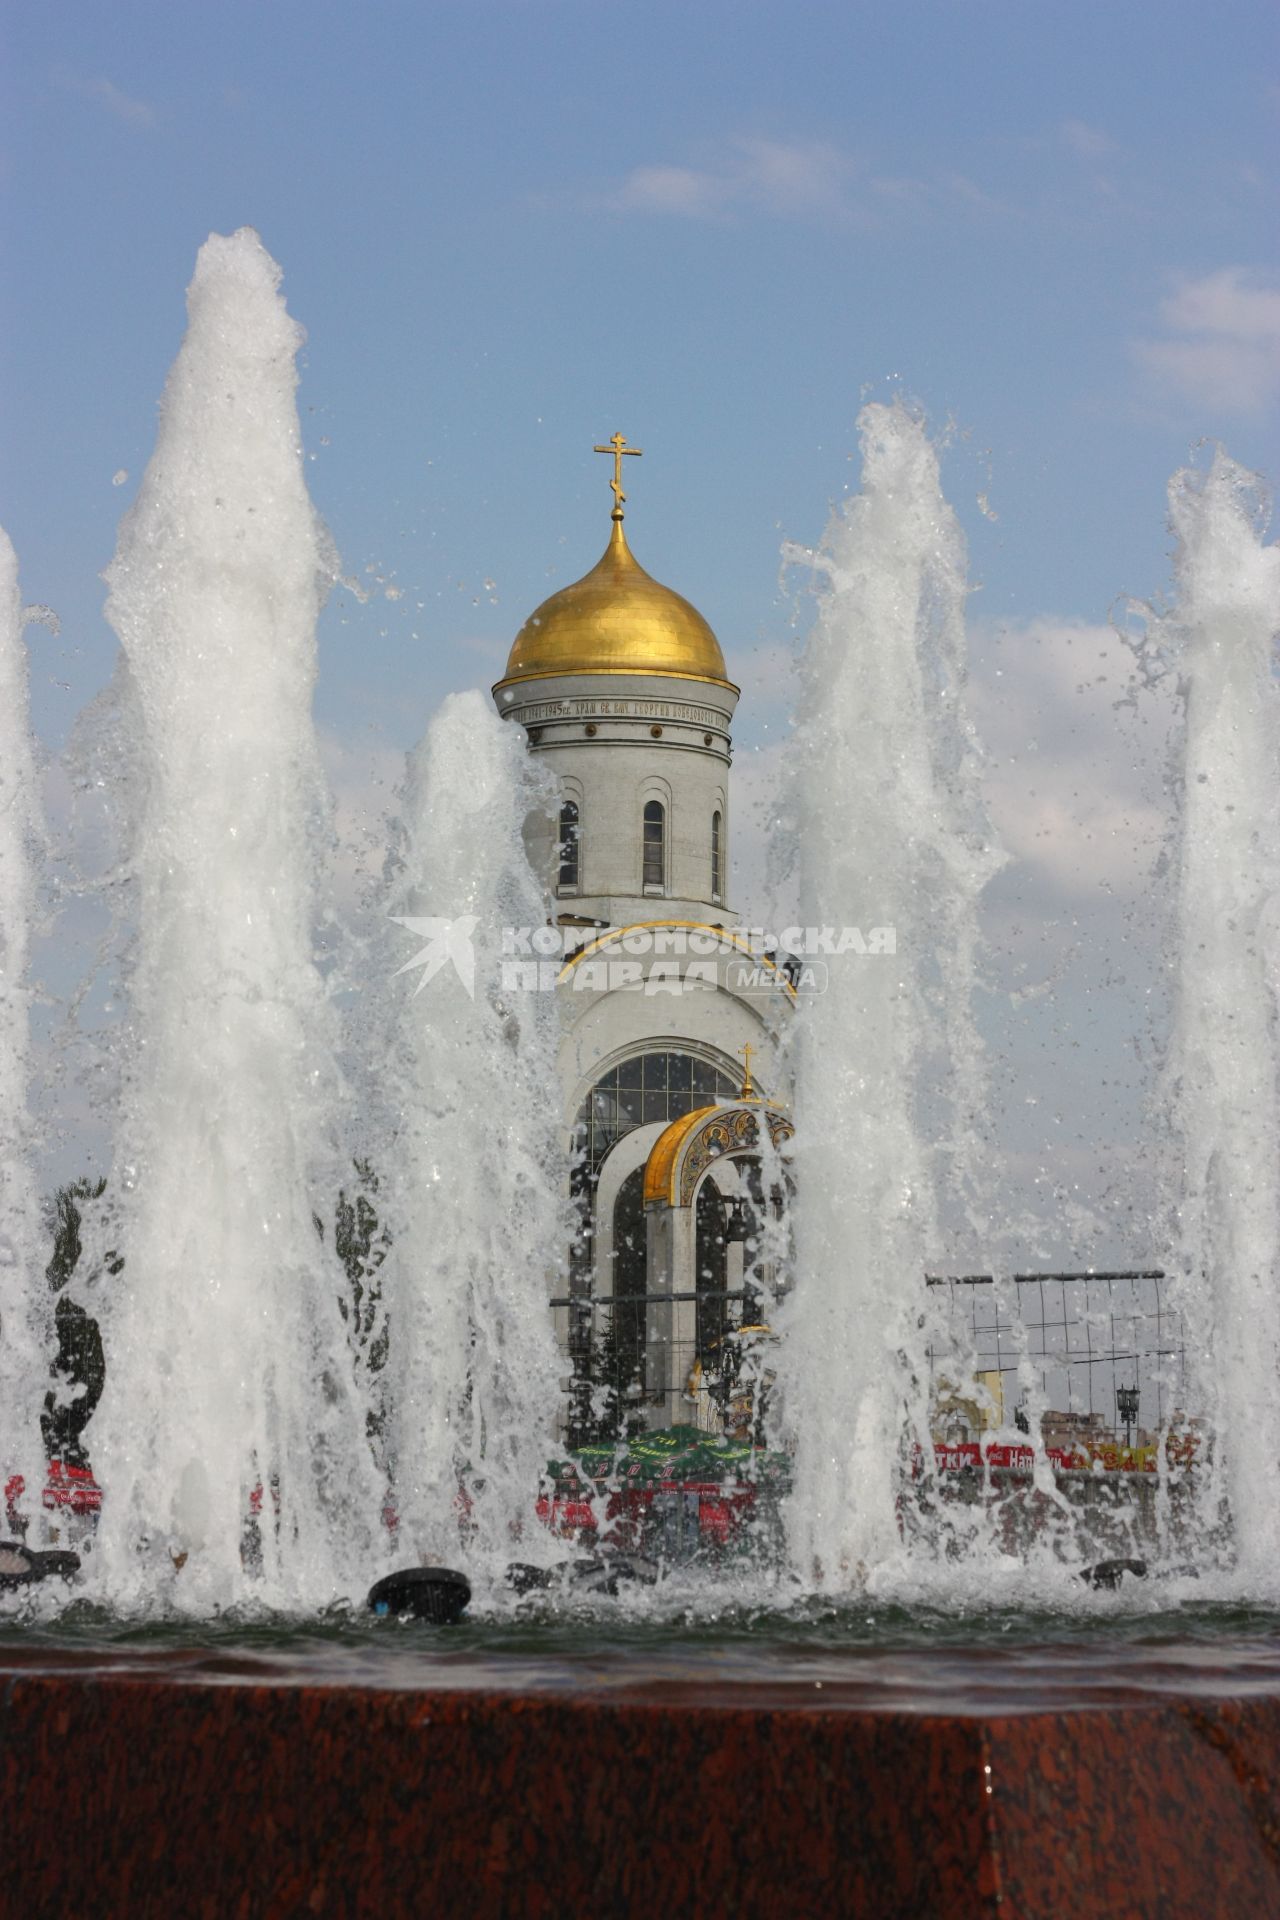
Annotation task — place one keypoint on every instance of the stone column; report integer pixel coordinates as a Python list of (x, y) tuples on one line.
[(670, 1324)]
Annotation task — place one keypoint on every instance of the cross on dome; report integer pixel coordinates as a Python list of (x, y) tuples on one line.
[(618, 447), (617, 619)]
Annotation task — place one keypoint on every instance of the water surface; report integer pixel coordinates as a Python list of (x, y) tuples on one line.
[(1112, 1650)]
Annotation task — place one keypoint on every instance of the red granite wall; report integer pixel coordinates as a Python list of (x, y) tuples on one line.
[(129, 1796)]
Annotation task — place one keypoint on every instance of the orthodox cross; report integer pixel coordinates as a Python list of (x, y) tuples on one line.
[(748, 1087), (618, 447)]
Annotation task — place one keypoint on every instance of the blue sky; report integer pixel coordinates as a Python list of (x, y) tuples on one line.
[(511, 228)]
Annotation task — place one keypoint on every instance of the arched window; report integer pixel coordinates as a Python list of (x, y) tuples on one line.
[(625, 1336), (649, 1086), (717, 869), (655, 846), (570, 835)]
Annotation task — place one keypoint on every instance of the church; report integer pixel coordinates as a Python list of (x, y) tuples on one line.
[(673, 1022)]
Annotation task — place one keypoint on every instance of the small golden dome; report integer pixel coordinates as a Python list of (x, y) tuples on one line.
[(616, 619)]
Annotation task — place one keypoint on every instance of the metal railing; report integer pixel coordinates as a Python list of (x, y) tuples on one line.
[(1089, 1337), (628, 1372)]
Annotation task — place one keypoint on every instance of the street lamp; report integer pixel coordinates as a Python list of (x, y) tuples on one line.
[(1127, 1403)]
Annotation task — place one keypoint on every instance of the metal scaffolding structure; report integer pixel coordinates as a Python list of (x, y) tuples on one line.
[(1088, 1336)]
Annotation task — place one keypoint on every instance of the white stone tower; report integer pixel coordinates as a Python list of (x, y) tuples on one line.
[(620, 685)]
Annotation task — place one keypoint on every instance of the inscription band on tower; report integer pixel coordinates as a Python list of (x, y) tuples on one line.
[(622, 710)]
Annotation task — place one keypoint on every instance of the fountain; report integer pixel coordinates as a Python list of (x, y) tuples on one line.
[(1222, 1079), (479, 1225), (294, 1405), (24, 1326), (230, 1385), (891, 830)]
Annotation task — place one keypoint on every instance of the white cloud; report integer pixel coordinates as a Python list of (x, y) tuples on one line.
[(1075, 765), (761, 890), (107, 94), (808, 180), (767, 675), (680, 190), (1091, 143), (1075, 757), (1221, 303), (790, 179), (1221, 347)]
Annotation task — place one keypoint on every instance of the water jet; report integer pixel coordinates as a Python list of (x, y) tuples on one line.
[(629, 1330)]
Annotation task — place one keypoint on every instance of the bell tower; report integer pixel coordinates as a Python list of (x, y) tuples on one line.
[(621, 684)]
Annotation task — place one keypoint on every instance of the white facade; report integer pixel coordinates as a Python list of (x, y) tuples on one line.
[(616, 742), (638, 867)]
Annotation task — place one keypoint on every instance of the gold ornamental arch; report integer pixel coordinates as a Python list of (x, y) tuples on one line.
[(690, 1146)]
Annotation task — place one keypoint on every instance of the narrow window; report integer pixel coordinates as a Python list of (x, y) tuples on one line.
[(655, 845), (569, 842), (717, 886)]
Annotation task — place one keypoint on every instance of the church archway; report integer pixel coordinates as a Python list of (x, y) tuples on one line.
[(715, 1200), (640, 1094), (648, 1088)]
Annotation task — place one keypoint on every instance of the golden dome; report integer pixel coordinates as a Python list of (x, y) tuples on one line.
[(616, 619)]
